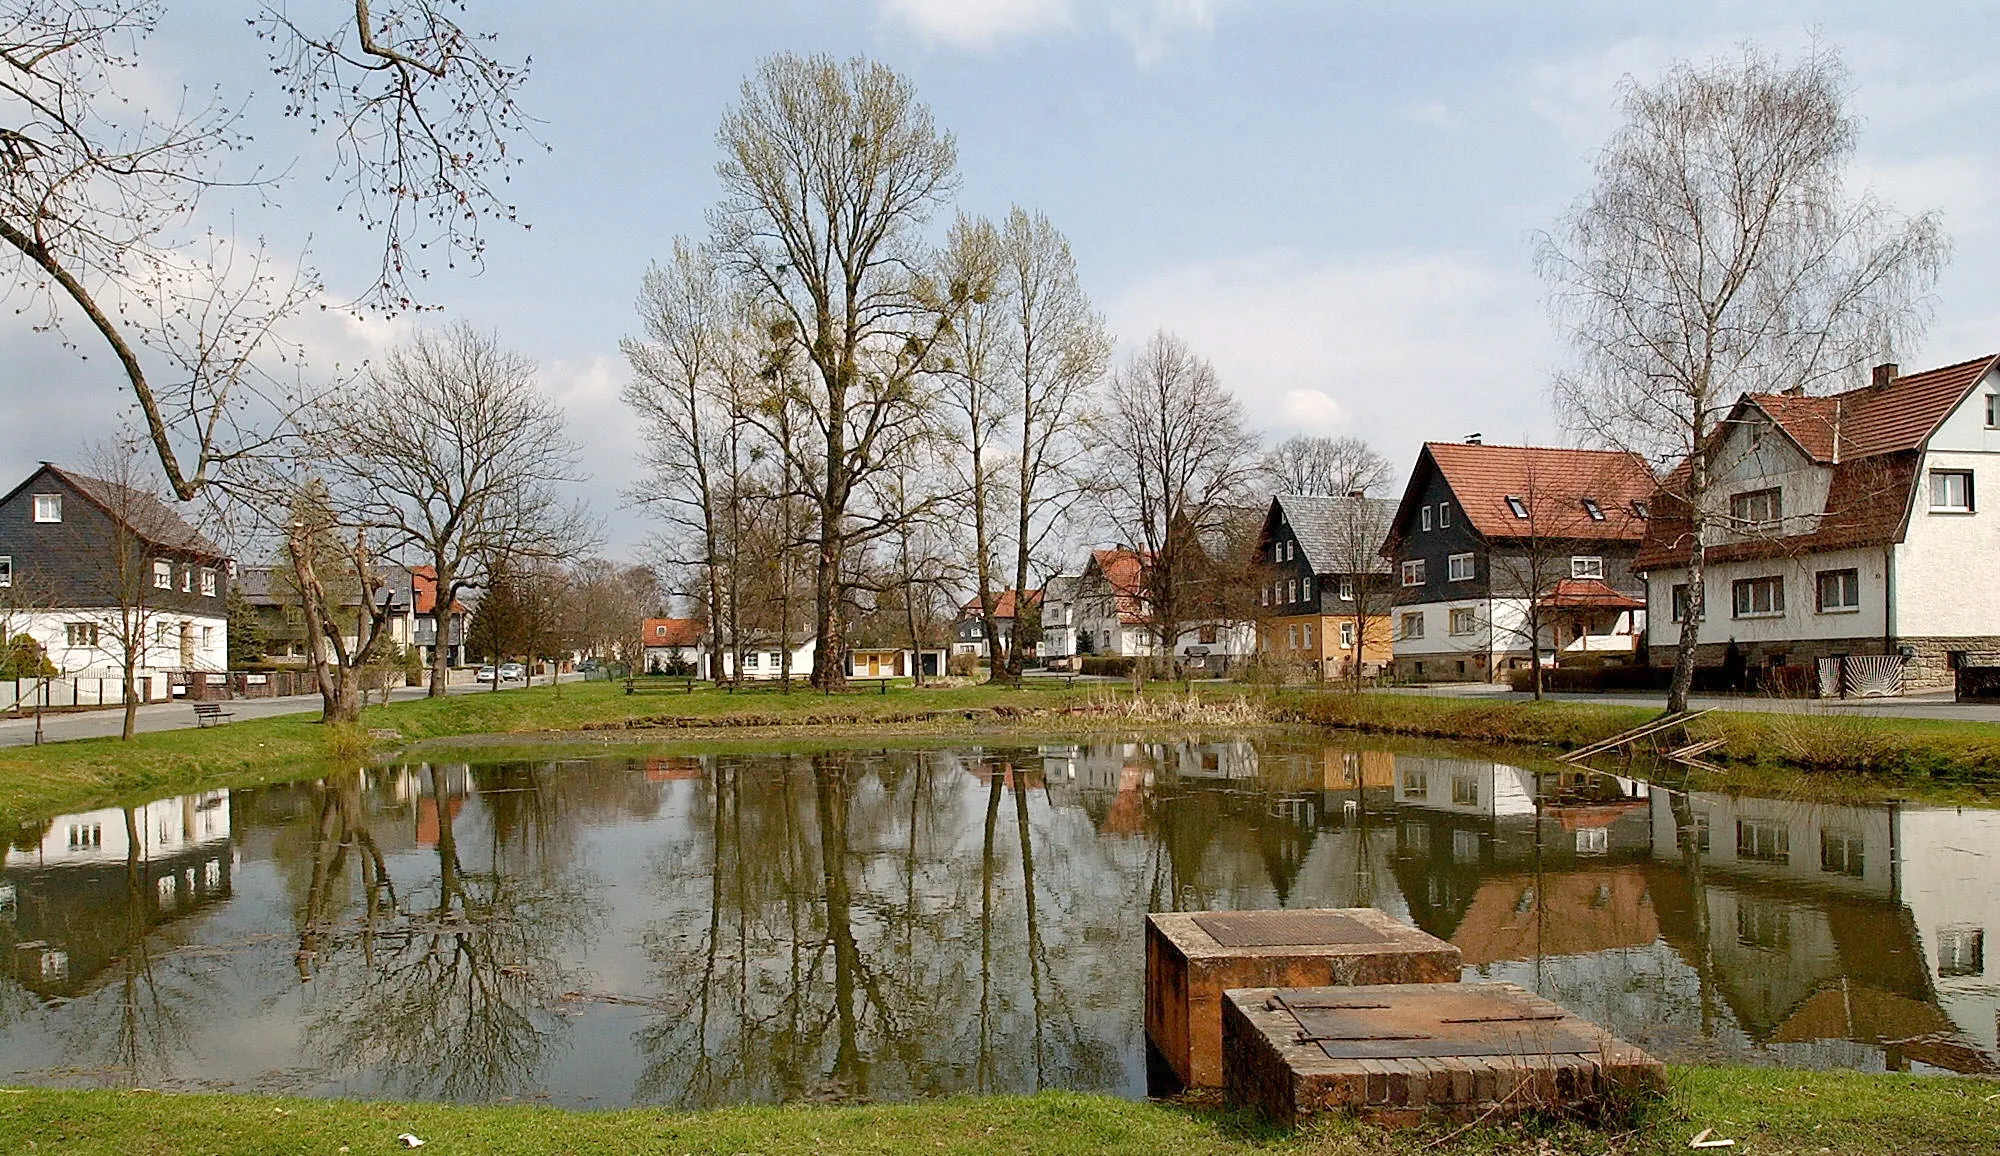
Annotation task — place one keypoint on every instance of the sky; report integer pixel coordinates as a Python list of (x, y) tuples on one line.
[(1333, 202)]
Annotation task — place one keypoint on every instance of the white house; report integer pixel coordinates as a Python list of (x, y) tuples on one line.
[(1111, 616), (1058, 644), (1847, 539)]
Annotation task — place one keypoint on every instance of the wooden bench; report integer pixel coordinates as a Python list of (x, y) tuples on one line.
[(208, 714), (659, 682)]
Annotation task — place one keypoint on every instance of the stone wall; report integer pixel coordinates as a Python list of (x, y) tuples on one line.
[(1929, 668)]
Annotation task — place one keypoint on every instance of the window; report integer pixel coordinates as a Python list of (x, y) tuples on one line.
[(1292, 636), (48, 507), (1289, 551), (1264, 596), (80, 633), (1757, 509), (6, 571), (1277, 551), (1680, 602), (1993, 411), (1465, 846), (187, 579), (1758, 597), (207, 582), (750, 660), (1951, 491), (1416, 784), (1465, 790), (1765, 842), (207, 637), (1307, 632), (1292, 590), (1427, 517), (1586, 567), (1517, 507), (1464, 621), (1595, 511), (1413, 572), (1839, 591), (1961, 951), (1413, 625), (1444, 513), (1346, 635), (163, 575), (294, 615), (1640, 509), (1764, 926), (1593, 840), (1347, 589), (1306, 588), (1207, 634), (1840, 852), (1458, 568)]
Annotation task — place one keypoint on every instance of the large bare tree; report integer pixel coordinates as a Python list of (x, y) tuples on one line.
[(1332, 466), (1176, 467), (448, 450), (830, 171), (103, 198), (1720, 252)]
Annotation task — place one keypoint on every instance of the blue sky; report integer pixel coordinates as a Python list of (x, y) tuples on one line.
[(1333, 202)]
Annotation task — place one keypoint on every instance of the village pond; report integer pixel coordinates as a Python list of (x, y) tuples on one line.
[(891, 924)]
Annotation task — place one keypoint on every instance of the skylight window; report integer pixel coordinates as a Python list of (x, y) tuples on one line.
[(1517, 506), (1640, 509), (1595, 511)]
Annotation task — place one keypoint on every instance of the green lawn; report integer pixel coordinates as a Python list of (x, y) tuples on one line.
[(1765, 1111)]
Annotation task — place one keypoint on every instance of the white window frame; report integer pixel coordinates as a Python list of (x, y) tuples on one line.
[(1464, 621), (1459, 568), (1586, 566), (78, 635), (1993, 411), (1595, 511), (1850, 578), (1775, 583), (1346, 635), (1758, 509), (1291, 550), (1949, 506), (1306, 589), (208, 582), (187, 579), (1517, 507), (1277, 552), (6, 570), (1444, 514), (48, 507), (1306, 632), (1426, 517), (163, 574), (1409, 618), (1680, 596), (1413, 572), (1292, 636), (1347, 589), (1291, 591)]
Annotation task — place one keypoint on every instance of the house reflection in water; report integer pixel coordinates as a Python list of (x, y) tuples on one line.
[(145, 867)]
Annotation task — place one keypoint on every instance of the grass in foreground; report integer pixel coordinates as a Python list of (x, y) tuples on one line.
[(1782, 1113)]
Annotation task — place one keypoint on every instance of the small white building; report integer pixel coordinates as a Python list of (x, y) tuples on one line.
[(1847, 539)]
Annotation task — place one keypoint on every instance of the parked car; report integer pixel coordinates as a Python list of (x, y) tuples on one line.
[(485, 674), (512, 672)]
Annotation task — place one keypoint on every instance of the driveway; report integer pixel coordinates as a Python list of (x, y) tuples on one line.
[(1933, 705), (179, 715)]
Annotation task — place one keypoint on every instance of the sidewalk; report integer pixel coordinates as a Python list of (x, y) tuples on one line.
[(1929, 705), (179, 715)]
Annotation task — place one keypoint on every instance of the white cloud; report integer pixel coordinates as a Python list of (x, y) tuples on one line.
[(979, 23), (1398, 348), (1435, 113), (1151, 27)]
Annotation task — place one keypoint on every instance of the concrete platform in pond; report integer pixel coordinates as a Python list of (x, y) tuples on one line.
[(1193, 957), (1402, 1053)]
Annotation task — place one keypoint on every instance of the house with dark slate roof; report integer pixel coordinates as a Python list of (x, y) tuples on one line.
[(1848, 539), (1493, 545), (1325, 594), (86, 563)]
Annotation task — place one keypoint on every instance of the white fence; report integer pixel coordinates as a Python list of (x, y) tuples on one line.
[(25, 694)]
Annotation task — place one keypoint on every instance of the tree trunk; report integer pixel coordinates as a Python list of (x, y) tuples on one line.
[(442, 596), (131, 673), (1682, 682), (829, 650)]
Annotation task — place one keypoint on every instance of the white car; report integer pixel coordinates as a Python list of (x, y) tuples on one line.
[(485, 674), (512, 672)]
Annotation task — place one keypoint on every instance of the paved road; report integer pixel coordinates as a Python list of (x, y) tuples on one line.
[(1937, 705), (173, 716)]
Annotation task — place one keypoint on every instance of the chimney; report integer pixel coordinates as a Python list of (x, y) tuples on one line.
[(1885, 374), (1357, 495), (1472, 439)]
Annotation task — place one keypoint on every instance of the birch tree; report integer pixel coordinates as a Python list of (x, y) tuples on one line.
[(1719, 251)]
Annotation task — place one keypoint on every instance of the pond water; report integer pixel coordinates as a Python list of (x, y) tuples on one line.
[(849, 924)]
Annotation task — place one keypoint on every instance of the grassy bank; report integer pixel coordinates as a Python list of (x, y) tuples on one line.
[(1893, 750), (1765, 1111)]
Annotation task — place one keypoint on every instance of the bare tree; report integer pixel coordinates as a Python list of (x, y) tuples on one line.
[(1718, 253), (1332, 466), (1177, 460), (448, 449), (830, 171), (331, 578), (101, 197)]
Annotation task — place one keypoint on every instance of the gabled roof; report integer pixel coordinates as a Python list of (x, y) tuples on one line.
[(152, 520), (1589, 594), (1003, 604), (1335, 532), (1124, 570), (671, 631), (1550, 483), (423, 591), (1893, 418)]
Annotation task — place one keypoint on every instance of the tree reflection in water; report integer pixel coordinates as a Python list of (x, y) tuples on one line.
[(446, 992)]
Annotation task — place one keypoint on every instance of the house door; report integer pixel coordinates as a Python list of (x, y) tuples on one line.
[(187, 645)]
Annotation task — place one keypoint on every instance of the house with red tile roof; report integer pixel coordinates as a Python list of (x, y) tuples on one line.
[(1493, 545), (968, 633), (1846, 537)]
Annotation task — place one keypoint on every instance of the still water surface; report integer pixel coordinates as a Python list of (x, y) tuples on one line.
[(901, 923)]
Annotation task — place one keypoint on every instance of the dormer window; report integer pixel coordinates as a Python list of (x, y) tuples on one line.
[(1758, 509), (1517, 507), (1595, 511)]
